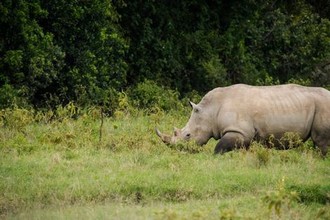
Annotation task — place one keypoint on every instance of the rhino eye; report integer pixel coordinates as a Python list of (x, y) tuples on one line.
[(188, 135)]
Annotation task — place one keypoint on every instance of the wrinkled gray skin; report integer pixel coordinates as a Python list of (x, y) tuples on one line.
[(240, 113)]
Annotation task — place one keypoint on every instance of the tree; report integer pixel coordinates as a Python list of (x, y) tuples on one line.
[(53, 52), (94, 49), (30, 61)]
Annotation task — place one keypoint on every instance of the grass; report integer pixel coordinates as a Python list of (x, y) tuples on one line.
[(59, 169)]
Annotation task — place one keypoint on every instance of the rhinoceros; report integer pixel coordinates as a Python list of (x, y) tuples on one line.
[(239, 114)]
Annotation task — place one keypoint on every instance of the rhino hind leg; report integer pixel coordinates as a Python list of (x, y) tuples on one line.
[(322, 142), (320, 135), (229, 142)]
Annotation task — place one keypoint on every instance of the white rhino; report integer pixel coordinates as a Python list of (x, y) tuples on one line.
[(241, 113)]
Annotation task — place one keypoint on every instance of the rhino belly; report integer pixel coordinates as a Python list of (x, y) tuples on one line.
[(278, 125)]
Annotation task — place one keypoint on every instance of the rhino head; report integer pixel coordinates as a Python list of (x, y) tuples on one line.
[(198, 128)]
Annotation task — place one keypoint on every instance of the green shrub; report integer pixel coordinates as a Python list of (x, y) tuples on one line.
[(9, 97), (149, 95), (261, 153), (280, 199), (189, 147), (290, 140), (312, 193), (16, 118)]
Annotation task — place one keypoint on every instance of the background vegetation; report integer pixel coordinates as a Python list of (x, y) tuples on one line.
[(65, 65), (55, 52)]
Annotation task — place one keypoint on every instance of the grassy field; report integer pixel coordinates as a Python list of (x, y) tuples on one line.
[(55, 167)]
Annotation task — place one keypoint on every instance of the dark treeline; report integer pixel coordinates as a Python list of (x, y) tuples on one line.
[(86, 51)]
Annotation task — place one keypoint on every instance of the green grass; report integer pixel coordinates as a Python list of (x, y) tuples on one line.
[(60, 169)]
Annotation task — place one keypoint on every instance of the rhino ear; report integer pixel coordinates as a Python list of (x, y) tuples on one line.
[(176, 131), (194, 106)]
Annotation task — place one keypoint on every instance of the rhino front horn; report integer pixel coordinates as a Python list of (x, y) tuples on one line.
[(165, 138), (158, 133)]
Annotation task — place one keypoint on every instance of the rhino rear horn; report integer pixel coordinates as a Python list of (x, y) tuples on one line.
[(176, 131)]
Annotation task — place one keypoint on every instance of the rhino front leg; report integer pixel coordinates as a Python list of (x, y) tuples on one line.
[(229, 142)]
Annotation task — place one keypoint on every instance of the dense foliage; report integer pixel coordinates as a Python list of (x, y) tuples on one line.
[(54, 52)]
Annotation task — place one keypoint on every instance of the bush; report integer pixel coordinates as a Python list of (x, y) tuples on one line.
[(312, 193), (261, 153), (149, 95), (16, 118), (9, 97), (280, 199)]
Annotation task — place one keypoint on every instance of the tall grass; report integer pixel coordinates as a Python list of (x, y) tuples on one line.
[(51, 160)]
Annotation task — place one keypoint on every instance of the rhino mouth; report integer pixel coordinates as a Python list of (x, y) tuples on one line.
[(177, 137)]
